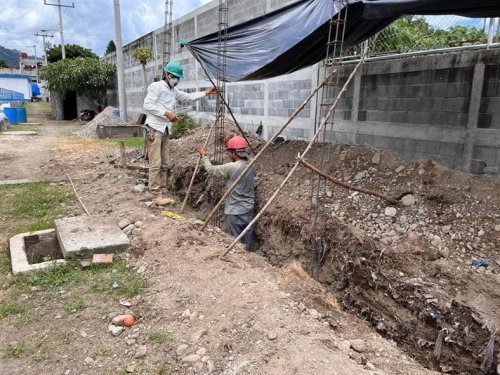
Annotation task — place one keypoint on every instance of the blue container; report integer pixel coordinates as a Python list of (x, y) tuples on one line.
[(11, 114), (21, 114), (115, 112)]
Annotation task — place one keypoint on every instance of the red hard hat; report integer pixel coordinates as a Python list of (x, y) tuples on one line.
[(237, 143)]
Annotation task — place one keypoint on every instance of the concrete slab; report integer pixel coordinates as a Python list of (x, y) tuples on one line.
[(83, 236), (21, 132), (19, 258)]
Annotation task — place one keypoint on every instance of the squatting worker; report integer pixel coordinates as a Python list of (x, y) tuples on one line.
[(239, 205), (159, 106)]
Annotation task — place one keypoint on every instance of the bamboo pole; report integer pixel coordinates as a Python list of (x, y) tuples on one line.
[(77, 196), (262, 150), (346, 185), (228, 107), (195, 172), (295, 167)]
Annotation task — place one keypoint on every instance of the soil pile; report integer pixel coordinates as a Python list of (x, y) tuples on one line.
[(106, 117)]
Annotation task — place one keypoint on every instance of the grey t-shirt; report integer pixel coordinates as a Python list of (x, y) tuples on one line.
[(242, 198)]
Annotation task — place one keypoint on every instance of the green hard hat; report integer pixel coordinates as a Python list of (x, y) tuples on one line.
[(174, 68)]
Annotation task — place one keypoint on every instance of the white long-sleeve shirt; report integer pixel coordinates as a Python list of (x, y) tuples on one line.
[(160, 99)]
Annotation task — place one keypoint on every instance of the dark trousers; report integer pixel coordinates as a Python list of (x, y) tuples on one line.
[(236, 224)]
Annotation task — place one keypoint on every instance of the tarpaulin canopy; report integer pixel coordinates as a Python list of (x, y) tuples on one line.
[(296, 36)]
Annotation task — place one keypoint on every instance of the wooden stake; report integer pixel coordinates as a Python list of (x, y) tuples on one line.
[(122, 152), (262, 150), (77, 196), (344, 184), (195, 172), (295, 167)]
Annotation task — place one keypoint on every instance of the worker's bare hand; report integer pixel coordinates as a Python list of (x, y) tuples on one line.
[(172, 117), (201, 150), (212, 90)]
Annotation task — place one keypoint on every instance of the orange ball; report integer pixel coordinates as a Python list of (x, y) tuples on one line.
[(128, 321)]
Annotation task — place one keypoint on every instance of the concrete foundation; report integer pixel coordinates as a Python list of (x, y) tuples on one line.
[(19, 252), (84, 236)]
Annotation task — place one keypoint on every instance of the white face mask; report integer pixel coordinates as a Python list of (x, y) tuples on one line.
[(174, 81)]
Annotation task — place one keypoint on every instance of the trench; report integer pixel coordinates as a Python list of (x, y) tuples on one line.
[(373, 282)]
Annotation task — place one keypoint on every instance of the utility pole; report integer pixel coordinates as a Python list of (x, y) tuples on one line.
[(119, 62), (45, 43), (63, 51)]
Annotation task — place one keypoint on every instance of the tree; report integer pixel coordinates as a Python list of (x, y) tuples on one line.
[(3, 64), (143, 54), (72, 51), (87, 76), (111, 47), (411, 33)]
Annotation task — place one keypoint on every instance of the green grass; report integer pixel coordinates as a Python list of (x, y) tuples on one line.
[(15, 350), (134, 142), (10, 308), (40, 107), (4, 261), (39, 203), (122, 281), (77, 304), (24, 128), (158, 337)]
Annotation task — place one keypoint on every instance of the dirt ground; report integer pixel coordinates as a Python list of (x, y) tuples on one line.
[(366, 308)]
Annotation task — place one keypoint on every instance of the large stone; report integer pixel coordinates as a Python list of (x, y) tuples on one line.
[(88, 235), (390, 211)]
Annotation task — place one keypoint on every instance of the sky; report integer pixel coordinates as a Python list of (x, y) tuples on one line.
[(89, 24)]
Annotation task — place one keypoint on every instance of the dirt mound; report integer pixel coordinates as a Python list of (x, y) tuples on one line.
[(106, 117), (406, 270)]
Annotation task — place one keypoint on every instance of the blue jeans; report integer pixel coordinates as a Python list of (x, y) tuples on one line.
[(236, 224)]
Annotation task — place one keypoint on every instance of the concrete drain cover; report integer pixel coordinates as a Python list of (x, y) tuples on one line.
[(21, 132), (83, 236), (34, 251)]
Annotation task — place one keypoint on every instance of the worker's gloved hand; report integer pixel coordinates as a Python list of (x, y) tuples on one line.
[(171, 116), (212, 90), (201, 150)]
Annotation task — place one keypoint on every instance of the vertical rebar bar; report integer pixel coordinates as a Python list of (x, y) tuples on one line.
[(220, 108), (167, 43)]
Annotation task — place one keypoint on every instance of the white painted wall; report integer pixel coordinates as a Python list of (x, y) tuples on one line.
[(16, 82)]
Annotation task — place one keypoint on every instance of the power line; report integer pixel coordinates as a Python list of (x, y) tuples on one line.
[(59, 6), (45, 43)]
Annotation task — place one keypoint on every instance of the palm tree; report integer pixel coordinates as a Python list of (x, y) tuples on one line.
[(143, 54)]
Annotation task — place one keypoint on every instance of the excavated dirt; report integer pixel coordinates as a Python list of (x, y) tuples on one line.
[(407, 273)]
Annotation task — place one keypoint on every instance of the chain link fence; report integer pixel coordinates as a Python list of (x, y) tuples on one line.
[(416, 34)]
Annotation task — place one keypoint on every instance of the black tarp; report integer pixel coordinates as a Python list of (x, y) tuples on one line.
[(296, 36)]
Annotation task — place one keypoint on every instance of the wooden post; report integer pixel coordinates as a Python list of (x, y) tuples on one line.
[(122, 152)]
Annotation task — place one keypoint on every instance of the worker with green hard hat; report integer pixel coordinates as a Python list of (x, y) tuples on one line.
[(159, 106)]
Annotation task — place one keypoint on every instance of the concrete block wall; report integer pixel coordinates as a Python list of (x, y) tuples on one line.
[(444, 107)]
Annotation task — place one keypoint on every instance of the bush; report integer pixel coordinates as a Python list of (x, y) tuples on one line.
[(180, 127)]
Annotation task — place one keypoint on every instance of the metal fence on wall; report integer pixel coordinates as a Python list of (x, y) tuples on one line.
[(412, 35)]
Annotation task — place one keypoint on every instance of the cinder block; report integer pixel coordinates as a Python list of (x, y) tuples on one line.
[(447, 149), (441, 76), (484, 121)]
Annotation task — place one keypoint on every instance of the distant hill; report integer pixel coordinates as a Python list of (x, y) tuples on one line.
[(10, 56)]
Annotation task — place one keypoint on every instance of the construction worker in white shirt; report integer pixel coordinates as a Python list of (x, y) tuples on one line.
[(159, 106)]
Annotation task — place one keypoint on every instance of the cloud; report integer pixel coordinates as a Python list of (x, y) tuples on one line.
[(89, 24)]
